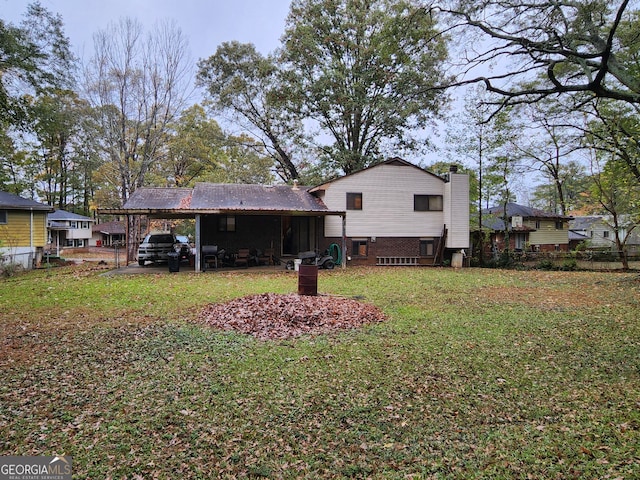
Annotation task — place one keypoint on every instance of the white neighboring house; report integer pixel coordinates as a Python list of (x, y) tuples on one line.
[(67, 229), (398, 214), (597, 232)]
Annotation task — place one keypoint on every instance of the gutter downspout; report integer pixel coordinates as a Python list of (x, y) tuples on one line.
[(31, 241)]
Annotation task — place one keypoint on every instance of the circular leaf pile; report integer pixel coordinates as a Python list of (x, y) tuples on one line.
[(277, 316)]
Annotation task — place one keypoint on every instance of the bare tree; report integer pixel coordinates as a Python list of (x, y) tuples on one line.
[(138, 84), (550, 47), (550, 147)]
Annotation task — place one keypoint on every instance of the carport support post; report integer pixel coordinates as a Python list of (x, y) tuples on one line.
[(198, 244), (344, 241)]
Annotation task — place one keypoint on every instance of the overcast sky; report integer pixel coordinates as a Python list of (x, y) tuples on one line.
[(206, 23)]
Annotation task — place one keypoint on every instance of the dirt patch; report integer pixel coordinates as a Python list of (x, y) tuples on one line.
[(280, 316)]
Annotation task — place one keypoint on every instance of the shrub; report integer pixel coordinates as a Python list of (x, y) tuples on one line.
[(546, 264), (9, 269), (569, 264)]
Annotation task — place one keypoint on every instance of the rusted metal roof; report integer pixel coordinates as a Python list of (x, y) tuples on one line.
[(224, 198), (158, 198), (255, 197), (110, 228)]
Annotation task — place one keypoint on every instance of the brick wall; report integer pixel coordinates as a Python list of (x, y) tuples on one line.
[(382, 247)]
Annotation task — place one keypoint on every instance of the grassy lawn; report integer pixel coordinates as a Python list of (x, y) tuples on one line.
[(476, 374)]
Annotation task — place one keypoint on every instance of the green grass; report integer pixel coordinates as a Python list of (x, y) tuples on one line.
[(476, 374)]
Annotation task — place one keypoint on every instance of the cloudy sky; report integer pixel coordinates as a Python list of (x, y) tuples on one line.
[(206, 23)]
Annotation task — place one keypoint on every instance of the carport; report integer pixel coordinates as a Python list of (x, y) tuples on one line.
[(285, 218)]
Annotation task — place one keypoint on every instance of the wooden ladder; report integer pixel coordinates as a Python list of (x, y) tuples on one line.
[(439, 256)]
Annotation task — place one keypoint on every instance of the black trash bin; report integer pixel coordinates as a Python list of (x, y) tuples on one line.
[(173, 261)]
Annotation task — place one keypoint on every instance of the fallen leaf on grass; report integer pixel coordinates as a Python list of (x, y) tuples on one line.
[(274, 316)]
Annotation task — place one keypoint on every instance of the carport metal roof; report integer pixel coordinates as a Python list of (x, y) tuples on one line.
[(225, 199), (217, 198)]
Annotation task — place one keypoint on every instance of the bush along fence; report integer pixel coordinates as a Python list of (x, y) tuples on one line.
[(576, 260)]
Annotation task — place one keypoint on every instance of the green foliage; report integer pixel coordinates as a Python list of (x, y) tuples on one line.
[(569, 264), (242, 82), (34, 57), (615, 132), (485, 142), (365, 71), (574, 183), (492, 374), (546, 264)]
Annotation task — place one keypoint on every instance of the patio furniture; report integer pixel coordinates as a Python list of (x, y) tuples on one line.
[(266, 257), (242, 259), (209, 256)]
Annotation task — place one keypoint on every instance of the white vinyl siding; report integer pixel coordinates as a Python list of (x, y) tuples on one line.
[(599, 239), (456, 207), (387, 203)]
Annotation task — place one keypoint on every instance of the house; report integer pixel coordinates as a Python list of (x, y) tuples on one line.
[(398, 213), (597, 232), (68, 229), (393, 213), (530, 229), (108, 234), (23, 230)]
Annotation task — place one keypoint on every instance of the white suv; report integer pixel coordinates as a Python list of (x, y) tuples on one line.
[(155, 248)]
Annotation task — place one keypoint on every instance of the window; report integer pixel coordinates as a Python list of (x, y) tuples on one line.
[(73, 225), (537, 224), (359, 248), (3, 217), (605, 234), (427, 203), (427, 247), (559, 225), (227, 223), (354, 201)]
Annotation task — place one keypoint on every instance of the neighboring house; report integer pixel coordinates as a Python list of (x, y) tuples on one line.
[(530, 229), (391, 213), (108, 234), (596, 232), (23, 230), (398, 213), (67, 229)]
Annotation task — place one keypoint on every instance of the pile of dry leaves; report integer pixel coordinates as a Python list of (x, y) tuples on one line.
[(274, 316)]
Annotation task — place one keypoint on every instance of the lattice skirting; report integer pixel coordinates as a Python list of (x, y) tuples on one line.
[(396, 261)]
